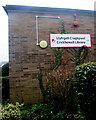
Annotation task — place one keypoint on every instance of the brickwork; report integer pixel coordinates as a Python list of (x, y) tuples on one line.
[(26, 58)]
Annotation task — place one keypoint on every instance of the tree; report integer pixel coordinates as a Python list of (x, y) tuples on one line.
[(5, 82)]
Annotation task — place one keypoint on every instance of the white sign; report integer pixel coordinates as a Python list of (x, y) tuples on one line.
[(69, 40)]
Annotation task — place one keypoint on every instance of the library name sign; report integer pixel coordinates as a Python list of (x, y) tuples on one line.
[(69, 40)]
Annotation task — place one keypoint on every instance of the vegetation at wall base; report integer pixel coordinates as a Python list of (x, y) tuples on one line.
[(41, 111), (79, 106)]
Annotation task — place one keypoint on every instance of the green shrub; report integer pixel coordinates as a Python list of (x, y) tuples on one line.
[(76, 116), (61, 115), (85, 88), (5, 82), (25, 114), (41, 111), (11, 111)]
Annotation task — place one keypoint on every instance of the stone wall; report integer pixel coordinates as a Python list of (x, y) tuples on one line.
[(26, 58)]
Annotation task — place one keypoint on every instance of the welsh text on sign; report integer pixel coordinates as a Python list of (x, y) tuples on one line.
[(70, 40)]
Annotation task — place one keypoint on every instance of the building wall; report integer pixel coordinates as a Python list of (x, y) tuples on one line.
[(26, 58)]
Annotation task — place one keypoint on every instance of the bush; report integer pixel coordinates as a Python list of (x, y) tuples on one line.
[(58, 85), (11, 111), (46, 111), (61, 115), (25, 114), (42, 111), (85, 88)]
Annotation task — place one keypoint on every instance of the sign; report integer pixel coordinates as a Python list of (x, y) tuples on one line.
[(69, 40)]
